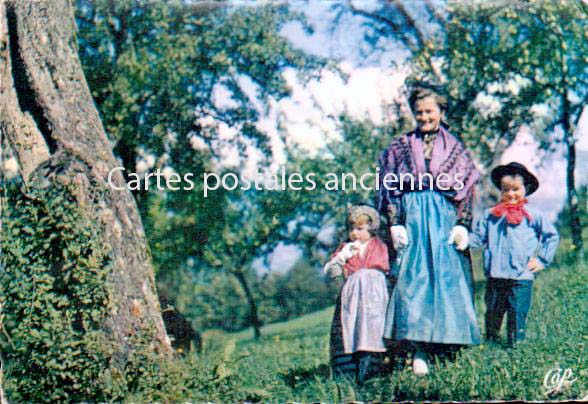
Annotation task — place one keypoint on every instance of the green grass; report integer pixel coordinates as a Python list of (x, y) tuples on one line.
[(297, 325), (290, 361)]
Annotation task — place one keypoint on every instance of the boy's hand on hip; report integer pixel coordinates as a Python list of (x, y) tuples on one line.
[(535, 265)]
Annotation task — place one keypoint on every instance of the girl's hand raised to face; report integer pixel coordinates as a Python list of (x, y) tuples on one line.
[(348, 251)]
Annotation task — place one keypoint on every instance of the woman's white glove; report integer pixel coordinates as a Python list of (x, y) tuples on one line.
[(399, 237), (459, 237)]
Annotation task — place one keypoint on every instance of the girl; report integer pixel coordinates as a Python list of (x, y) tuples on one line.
[(358, 323), (432, 304)]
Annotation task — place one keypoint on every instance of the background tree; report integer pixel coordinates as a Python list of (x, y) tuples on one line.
[(412, 26), (50, 121), (254, 225), (169, 78), (511, 67), (301, 290)]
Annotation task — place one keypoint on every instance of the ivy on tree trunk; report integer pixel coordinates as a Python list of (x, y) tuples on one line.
[(49, 119)]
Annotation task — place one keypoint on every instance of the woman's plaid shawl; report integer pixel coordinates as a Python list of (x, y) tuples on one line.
[(449, 156)]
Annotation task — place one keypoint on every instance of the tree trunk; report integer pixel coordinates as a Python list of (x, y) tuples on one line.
[(253, 316), (572, 196), (50, 121)]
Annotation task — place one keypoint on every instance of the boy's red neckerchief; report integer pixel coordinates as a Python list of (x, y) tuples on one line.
[(514, 212)]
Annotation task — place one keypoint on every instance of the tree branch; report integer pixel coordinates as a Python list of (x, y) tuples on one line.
[(393, 26), (435, 13), (581, 108), (410, 22), (119, 34), (202, 7)]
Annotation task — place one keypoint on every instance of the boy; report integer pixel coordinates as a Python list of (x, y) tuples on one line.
[(519, 242)]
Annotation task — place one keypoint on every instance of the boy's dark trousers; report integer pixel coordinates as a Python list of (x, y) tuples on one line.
[(507, 296)]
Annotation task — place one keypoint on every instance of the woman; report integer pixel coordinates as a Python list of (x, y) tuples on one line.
[(429, 210)]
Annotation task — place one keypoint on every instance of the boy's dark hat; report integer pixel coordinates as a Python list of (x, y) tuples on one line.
[(514, 168)]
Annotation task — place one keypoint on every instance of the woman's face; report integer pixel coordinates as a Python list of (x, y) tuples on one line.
[(427, 114)]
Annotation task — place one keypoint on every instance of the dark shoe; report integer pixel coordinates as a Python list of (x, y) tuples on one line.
[(368, 366)]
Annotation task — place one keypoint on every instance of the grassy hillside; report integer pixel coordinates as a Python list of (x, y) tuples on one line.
[(290, 362)]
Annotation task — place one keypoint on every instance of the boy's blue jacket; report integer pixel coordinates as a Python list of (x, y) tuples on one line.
[(508, 247)]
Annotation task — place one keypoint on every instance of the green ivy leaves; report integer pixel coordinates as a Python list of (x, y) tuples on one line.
[(54, 290)]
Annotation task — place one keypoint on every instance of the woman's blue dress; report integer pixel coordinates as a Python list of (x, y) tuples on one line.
[(433, 298)]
